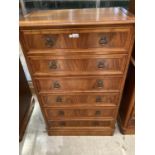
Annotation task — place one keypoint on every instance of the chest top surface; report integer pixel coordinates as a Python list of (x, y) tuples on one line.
[(96, 16)]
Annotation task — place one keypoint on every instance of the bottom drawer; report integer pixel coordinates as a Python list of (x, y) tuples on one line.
[(80, 123), (102, 131)]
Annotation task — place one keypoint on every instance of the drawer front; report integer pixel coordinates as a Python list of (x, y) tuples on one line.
[(80, 99), (58, 84), (103, 64), (80, 123), (74, 39), (78, 112)]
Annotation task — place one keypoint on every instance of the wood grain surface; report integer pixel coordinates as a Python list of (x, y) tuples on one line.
[(81, 17)]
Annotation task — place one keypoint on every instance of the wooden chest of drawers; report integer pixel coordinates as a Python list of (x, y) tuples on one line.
[(78, 61)]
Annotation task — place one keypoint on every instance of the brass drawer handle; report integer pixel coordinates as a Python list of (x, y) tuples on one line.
[(61, 113), (100, 83), (52, 64), (101, 65), (103, 40), (98, 113), (59, 99), (98, 99), (56, 84), (49, 41)]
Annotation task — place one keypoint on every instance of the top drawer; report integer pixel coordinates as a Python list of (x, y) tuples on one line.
[(77, 38)]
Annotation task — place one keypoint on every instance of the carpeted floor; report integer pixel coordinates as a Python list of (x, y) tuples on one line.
[(37, 142)]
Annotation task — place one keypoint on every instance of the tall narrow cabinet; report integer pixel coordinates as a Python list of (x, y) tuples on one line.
[(78, 60)]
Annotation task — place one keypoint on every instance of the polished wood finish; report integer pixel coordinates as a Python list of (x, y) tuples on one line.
[(80, 17), (110, 37), (79, 131), (26, 102), (80, 123), (75, 65), (79, 112), (78, 84), (79, 99), (78, 61)]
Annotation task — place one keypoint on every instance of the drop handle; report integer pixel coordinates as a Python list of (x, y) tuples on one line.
[(100, 83), (103, 40), (98, 113), (52, 64), (56, 84), (101, 65), (59, 99), (49, 41), (98, 99)]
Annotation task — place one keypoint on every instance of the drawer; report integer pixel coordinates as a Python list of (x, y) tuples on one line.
[(80, 99), (73, 65), (99, 83), (80, 123), (107, 37), (80, 131), (60, 113)]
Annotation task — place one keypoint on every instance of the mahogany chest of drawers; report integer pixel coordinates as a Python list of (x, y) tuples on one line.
[(78, 60)]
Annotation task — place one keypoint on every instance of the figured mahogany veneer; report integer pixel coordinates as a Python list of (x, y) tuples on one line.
[(78, 84), (78, 59), (55, 113), (79, 99), (74, 65), (85, 38)]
